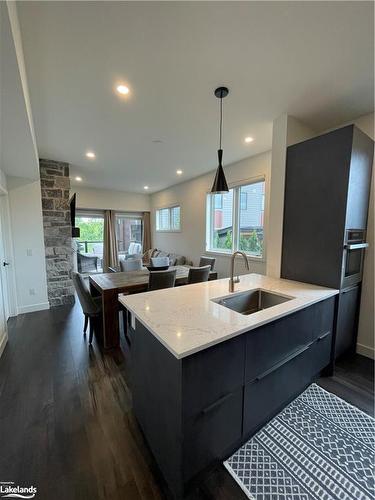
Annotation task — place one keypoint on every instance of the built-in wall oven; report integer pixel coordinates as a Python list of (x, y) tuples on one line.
[(354, 250)]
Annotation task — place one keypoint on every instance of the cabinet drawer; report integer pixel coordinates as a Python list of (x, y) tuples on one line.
[(323, 317), (267, 394), (268, 345), (321, 353), (212, 373), (213, 433)]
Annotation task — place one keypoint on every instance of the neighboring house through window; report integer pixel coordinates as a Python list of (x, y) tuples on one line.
[(235, 220), (128, 230)]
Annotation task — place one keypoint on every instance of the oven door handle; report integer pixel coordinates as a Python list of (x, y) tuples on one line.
[(356, 246)]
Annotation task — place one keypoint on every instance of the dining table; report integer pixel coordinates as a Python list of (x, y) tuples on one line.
[(110, 285)]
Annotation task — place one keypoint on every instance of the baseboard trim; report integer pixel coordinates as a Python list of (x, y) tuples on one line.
[(366, 350), (3, 343), (33, 308)]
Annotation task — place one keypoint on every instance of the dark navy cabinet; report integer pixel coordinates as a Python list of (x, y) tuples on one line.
[(210, 433), (199, 409), (347, 319), (268, 345), (327, 189), (268, 393)]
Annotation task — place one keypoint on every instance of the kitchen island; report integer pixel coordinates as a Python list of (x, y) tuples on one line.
[(210, 368)]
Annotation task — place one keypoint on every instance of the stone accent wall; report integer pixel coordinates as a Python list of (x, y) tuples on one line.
[(55, 187)]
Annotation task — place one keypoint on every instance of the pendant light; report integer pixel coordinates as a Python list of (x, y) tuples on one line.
[(220, 184)]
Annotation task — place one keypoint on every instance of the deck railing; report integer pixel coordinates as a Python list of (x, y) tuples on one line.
[(86, 243)]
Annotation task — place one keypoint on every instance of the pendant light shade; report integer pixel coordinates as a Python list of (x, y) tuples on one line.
[(220, 184)]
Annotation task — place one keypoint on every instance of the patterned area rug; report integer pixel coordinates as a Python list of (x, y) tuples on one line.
[(319, 447)]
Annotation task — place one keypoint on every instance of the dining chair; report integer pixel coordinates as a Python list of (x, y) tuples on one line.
[(205, 261), (91, 308), (159, 261), (131, 265), (198, 274), (161, 279)]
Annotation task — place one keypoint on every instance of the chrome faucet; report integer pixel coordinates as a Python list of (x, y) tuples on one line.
[(233, 280)]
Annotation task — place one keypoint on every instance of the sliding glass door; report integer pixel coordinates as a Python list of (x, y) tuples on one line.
[(90, 242)]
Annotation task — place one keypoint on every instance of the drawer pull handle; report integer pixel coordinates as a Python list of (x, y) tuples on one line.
[(217, 403), (324, 336), (283, 362), (356, 246)]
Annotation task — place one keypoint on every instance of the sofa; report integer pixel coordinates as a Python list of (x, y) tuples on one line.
[(174, 258)]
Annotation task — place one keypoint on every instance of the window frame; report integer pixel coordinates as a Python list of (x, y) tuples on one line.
[(170, 228), (236, 186)]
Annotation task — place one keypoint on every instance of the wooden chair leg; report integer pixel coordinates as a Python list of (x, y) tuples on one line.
[(91, 330), (86, 324)]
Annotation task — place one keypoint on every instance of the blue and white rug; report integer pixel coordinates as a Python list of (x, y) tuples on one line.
[(319, 447)]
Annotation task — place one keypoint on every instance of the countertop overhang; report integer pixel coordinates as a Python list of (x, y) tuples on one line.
[(186, 320)]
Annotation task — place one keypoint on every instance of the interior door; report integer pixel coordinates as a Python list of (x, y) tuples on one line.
[(3, 288), (4, 270)]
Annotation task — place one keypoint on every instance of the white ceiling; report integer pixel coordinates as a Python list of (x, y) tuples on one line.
[(313, 60)]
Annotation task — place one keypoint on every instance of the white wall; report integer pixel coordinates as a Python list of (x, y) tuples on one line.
[(27, 234), (286, 131), (366, 329), (105, 199), (21, 213), (191, 195)]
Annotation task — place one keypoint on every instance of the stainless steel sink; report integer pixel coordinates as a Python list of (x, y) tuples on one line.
[(251, 301)]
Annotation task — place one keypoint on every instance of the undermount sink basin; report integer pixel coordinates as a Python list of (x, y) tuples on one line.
[(251, 301)]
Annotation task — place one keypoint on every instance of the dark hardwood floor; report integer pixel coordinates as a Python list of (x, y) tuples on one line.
[(66, 424)]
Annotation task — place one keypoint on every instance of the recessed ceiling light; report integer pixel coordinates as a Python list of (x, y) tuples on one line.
[(248, 139), (78, 178), (90, 154), (145, 187), (179, 172), (122, 89)]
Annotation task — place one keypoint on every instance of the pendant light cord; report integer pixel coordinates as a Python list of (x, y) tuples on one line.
[(221, 119)]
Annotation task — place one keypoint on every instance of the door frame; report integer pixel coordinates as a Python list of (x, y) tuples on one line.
[(8, 280)]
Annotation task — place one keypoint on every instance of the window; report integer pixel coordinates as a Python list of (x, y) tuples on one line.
[(91, 232), (222, 222), (251, 219), (243, 200), (175, 218), (90, 242), (236, 221), (128, 230), (168, 219), (218, 201)]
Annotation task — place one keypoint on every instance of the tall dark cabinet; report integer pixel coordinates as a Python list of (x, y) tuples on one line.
[(327, 190)]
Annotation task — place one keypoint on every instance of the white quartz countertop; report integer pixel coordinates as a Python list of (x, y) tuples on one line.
[(185, 320)]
